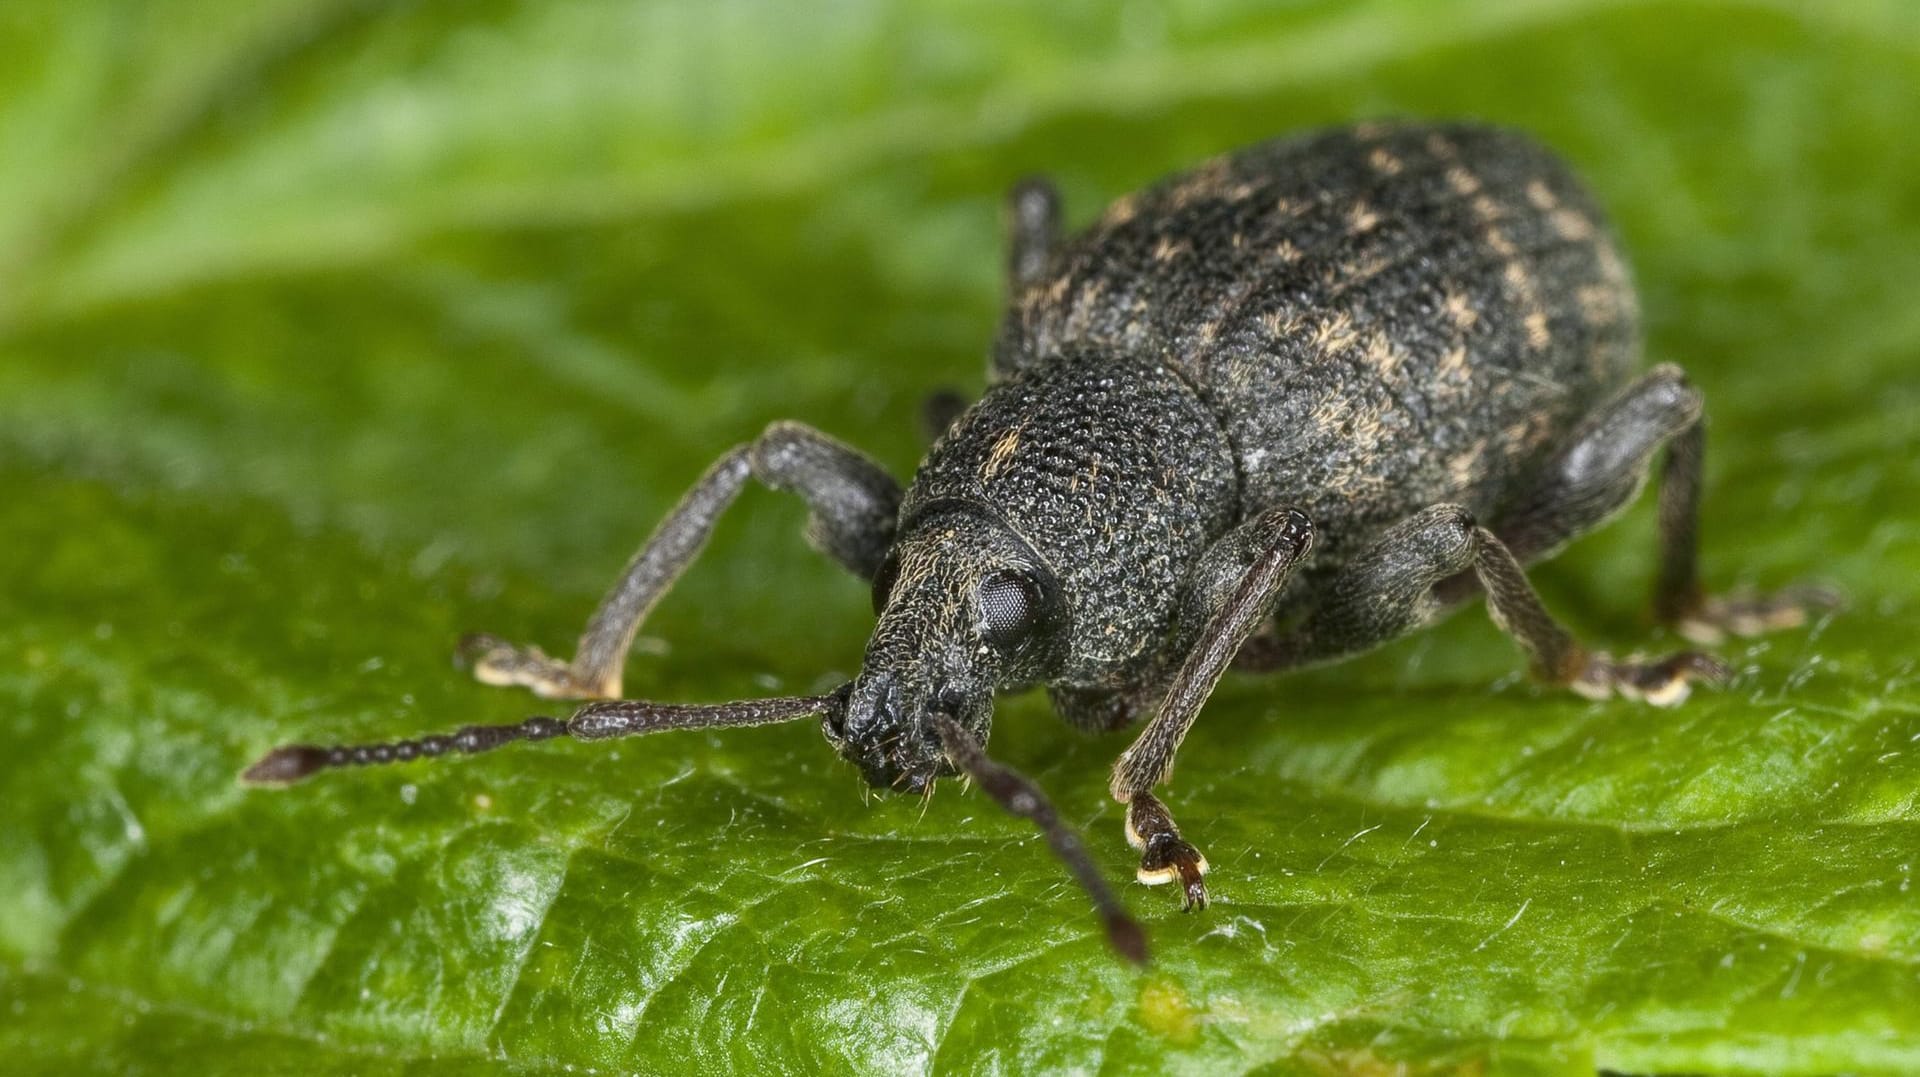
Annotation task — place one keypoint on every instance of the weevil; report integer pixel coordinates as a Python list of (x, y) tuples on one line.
[(1272, 412)]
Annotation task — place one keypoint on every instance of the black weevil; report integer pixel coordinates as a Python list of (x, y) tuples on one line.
[(1275, 411)]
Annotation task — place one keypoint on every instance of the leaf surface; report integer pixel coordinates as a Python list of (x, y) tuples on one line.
[(329, 331)]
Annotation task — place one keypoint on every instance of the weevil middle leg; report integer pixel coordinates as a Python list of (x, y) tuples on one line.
[(853, 503), (1033, 234)]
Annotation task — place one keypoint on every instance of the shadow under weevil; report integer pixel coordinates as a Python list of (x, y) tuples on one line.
[(1275, 411)]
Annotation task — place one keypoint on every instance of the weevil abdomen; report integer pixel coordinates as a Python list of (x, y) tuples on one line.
[(1382, 317)]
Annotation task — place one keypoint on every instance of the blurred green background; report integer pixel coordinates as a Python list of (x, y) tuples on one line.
[(330, 330)]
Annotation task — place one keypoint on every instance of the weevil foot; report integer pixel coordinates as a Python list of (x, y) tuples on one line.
[(1164, 855), (494, 661), (1710, 619), (1663, 682), (1167, 859)]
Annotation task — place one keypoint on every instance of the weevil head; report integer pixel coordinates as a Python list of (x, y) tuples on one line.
[(965, 609)]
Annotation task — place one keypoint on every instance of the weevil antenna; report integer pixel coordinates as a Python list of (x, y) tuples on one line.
[(594, 721), (1018, 794)]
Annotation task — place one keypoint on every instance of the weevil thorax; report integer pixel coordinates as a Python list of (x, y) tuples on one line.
[(1046, 539)]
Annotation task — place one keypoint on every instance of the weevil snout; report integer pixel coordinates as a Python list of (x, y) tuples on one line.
[(945, 600), (887, 728)]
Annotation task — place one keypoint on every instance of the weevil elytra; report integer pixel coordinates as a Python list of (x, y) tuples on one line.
[(1275, 411)]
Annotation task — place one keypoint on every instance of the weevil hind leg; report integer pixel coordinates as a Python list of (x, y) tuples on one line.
[(1439, 557), (1600, 471), (852, 505), (1679, 599), (1033, 230), (1421, 567), (1033, 238), (939, 411)]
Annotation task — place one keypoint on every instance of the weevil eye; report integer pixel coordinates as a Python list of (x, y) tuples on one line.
[(1009, 607)]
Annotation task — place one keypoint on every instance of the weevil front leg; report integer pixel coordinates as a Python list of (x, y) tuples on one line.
[(853, 504), (1233, 591), (1603, 467)]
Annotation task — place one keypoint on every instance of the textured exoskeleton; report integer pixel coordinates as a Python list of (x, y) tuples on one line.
[(1274, 411)]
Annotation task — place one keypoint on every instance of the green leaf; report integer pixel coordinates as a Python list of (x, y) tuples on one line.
[(329, 331)]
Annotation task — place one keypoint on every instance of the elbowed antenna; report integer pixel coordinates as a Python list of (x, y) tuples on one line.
[(594, 721), (1018, 794)]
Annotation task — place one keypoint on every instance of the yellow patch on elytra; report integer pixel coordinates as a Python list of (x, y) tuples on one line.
[(1286, 251), (1288, 207), (1459, 310), (1091, 293), (1333, 412), (1599, 304), (1167, 249), (1335, 334), (1361, 218), (1381, 353), (1122, 211), (1384, 162), (1572, 224), (1453, 364), (1240, 192), (1463, 182), (1531, 432), (1438, 145), (1611, 267), (1464, 463), (1533, 319), (1538, 335), (1001, 454), (1206, 181), (1085, 302), (1365, 429), (1485, 208), (1354, 273), (1541, 195), (1057, 288), (1498, 242), (1280, 323)]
